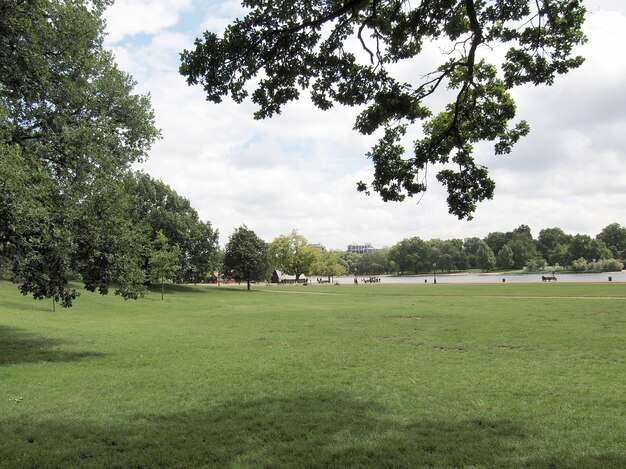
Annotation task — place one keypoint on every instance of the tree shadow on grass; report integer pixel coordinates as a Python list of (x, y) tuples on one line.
[(19, 346), (172, 289), (314, 429)]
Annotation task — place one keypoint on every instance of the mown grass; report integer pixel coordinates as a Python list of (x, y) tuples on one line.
[(326, 376)]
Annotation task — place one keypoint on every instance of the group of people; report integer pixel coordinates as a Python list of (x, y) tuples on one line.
[(367, 280), (321, 280)]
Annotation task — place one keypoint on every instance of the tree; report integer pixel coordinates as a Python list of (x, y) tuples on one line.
[(496, 240), (411, 255), (157, 207), (470, 247), (70, 127), (452, 255), (329, 264), (352, 261), (614, 236), (548, 240), (560, 255), (523, 246), (245, 256), (292, 254), (478, 250), (485, 258), (588, 248), (505, 258), (372, 263), (523, 250), (345, 52), (163, 261)]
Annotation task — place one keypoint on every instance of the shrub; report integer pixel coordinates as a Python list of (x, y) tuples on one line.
[(536, 264), (602, 265)]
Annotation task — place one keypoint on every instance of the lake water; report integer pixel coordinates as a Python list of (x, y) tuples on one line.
[(495, 278)]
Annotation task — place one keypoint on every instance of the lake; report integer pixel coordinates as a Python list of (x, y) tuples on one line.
[(495, 278)]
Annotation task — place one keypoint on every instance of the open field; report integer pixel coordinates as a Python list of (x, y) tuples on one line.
[(525, 375)]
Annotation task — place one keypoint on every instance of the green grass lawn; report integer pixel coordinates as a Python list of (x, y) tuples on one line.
[(507, 376)]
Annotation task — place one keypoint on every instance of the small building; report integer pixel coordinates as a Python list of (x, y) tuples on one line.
[(279, 277)]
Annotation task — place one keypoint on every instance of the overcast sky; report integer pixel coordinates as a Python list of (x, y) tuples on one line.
[(299, 170)]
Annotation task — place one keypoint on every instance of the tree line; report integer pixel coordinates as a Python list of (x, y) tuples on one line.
[(248, 258), (553, 250)]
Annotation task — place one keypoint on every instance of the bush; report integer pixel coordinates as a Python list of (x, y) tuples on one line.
[(602, 265), (536, 264)]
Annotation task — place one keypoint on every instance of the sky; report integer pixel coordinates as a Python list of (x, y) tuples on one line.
[(299, 170)]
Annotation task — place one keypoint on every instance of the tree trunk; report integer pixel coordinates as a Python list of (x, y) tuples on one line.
[(162, 289)]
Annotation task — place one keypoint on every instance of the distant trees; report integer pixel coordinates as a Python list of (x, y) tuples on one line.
[(410, 255), (372, 263), (514, 249), (588, 248), (448, 254)]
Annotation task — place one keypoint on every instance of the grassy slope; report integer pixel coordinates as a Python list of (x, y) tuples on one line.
[(349, 376)]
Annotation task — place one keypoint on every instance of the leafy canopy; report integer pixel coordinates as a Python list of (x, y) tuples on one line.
[(346, 51), (70, 128)]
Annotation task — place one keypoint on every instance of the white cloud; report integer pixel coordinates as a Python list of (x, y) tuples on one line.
[(299, 169), (131, 17)]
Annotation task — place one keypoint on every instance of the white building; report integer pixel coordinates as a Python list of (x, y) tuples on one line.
[(360, 248)]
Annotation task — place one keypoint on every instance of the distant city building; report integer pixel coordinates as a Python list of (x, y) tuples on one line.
[(361, 248), (319, 246)]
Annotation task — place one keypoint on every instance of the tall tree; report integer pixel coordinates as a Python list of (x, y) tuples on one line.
[(73, 126), (245, 256), (344, 52), (292, 254)]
